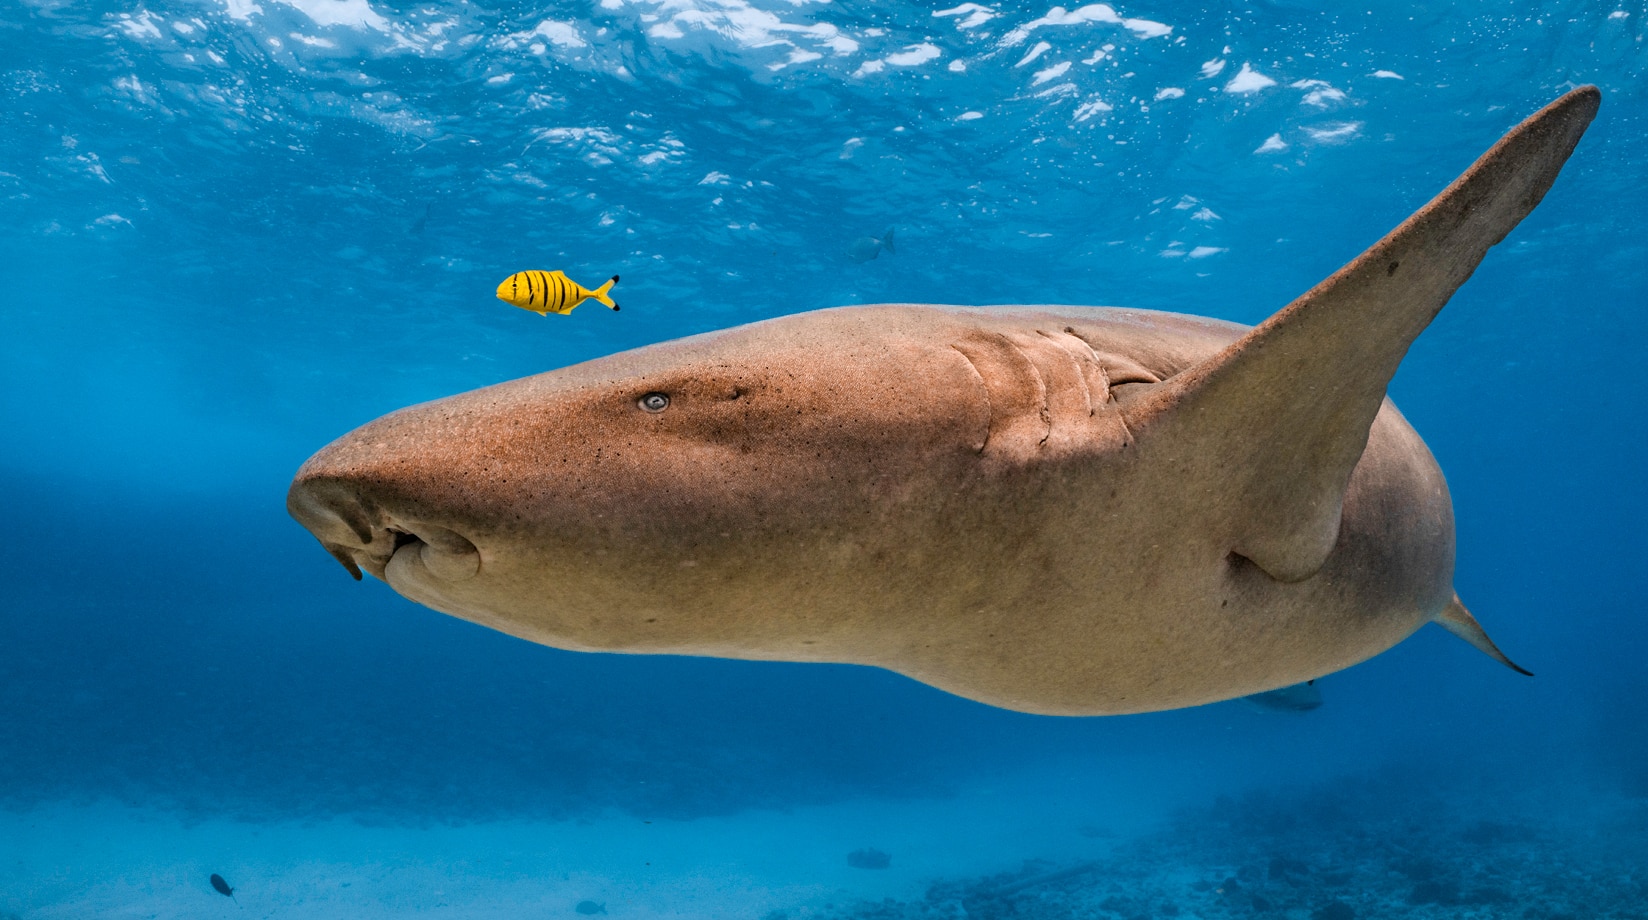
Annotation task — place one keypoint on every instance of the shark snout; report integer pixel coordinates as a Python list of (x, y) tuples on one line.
[(366, 533)]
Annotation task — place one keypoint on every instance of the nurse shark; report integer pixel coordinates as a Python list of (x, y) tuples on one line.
[(1051, 509)]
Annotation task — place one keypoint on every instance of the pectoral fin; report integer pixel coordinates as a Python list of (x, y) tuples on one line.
[(1274, 424)]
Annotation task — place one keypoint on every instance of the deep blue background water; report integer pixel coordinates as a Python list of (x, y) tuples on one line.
[(229, 233)]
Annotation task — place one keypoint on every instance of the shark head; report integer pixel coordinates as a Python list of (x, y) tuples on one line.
[(782, 463)]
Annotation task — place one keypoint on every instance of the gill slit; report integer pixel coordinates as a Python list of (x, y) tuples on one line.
[(1109, 390), (1109, 394), (1081, 372), (1041, 382), (989, 410)]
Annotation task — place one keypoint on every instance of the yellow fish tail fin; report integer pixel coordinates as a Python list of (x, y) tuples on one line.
[(600, 293)]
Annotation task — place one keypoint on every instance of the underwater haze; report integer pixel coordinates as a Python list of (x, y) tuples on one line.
[(233, 230)]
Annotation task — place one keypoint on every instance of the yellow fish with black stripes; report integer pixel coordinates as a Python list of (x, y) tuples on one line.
[(550, 292)]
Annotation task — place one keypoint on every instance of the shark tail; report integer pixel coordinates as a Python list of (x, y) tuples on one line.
[(1457, 620), (887, 242), (601, 294)]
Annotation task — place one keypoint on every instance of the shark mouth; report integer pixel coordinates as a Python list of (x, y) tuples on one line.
[(361, 535), (441, 552)]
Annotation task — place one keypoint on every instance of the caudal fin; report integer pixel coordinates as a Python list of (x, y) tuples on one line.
[(1457, 620), (600, 293)]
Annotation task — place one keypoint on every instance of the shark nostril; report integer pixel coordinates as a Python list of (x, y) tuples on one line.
[(347, 524), (331, 511), (348, 509), (342, 556)]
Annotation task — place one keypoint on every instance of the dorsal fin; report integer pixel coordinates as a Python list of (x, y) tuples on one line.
[(1280, 418)]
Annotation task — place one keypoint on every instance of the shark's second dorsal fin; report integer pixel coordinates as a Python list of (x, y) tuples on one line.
[(1457, 620), (1280, 418)]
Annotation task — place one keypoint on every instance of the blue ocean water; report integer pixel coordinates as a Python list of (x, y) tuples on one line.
[(232, 230)]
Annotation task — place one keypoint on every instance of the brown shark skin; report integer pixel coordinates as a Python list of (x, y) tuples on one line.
[(1062, 510)]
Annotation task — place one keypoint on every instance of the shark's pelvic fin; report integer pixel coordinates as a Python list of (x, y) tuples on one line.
[(1291, 402), (1457, 620)]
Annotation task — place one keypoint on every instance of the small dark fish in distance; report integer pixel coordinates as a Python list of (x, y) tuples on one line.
[(224, 889), (590, 907), (866, 248), (869, 858), (1297, 698)]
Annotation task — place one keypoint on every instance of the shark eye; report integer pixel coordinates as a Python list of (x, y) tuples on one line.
[(654, 402)]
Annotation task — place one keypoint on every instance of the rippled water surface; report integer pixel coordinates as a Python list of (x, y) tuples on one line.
[(231, 231)]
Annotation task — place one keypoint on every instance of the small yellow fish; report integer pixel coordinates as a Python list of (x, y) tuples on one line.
[(550, 292)]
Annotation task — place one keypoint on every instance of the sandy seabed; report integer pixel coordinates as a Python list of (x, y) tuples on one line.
[(108, 860), (1054, 844)]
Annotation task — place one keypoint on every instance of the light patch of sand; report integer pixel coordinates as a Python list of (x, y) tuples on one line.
[(112, 861)]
